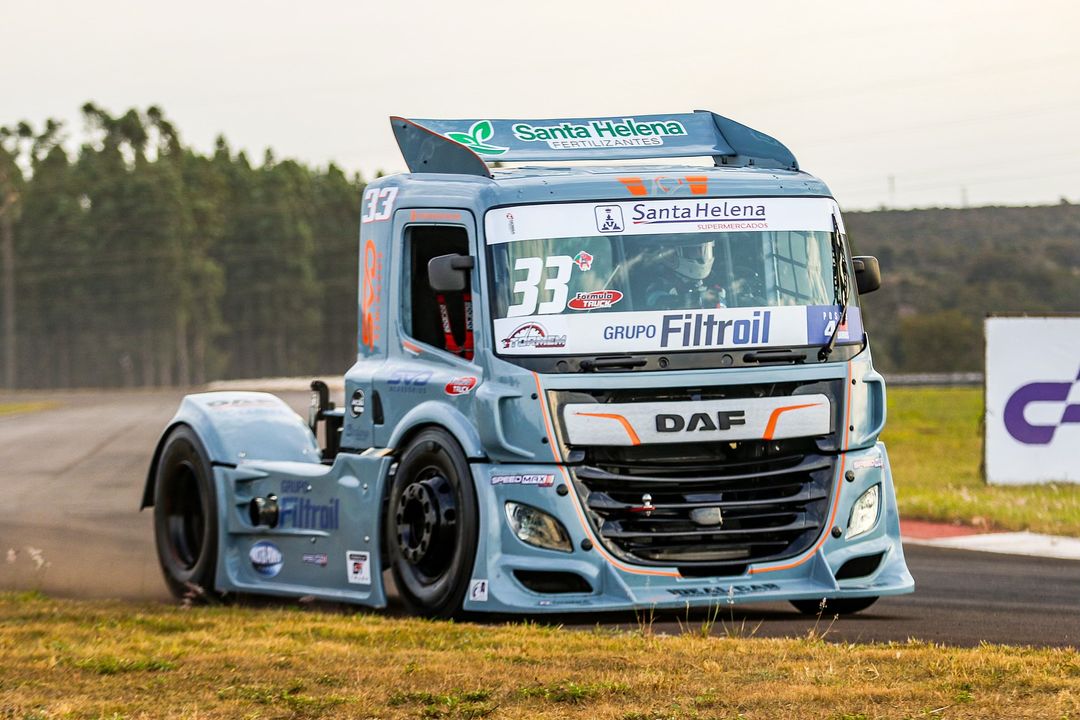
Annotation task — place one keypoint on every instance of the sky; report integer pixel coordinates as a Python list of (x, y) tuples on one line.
[(912, 104)]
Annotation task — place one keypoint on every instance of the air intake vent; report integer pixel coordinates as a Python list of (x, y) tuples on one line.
[(552, 582), (859, 567)]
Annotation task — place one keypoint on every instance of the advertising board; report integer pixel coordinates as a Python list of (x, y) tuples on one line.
[(1032, 400)]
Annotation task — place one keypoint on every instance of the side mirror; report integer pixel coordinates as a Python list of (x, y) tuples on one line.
[(867, 273), (449, 273)]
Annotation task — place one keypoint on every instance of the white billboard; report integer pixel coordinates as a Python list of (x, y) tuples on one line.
[(1032, 400)]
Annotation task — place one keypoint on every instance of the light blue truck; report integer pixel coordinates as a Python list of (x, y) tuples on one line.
[(577, 388)]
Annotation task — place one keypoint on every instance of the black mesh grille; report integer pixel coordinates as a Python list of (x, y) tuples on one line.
[(859, 567), (708, 508)]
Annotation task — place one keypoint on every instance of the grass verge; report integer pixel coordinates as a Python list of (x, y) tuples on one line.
[(12, 408), (83, 659), (934, 436)]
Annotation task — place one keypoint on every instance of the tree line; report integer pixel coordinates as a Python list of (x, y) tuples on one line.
[(945, 270), (140, 261), (137, 260)]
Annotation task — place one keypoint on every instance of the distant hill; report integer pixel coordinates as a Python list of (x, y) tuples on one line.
[(945, 270)]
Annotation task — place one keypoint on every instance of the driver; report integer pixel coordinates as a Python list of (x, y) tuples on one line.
[(679, 283)]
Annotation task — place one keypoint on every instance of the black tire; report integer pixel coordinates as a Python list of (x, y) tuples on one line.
[(835, 606), (432, 525), (185, 516)]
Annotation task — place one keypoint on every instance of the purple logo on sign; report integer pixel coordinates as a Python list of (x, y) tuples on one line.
[(1029, 434)]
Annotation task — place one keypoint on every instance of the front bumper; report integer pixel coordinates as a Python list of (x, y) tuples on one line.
[(502, 559)]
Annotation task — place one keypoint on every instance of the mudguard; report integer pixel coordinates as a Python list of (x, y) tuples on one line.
[(236, 426), (325, 542)]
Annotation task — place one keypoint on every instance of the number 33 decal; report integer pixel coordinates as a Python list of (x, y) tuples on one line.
[(529, 287), (380, 204)]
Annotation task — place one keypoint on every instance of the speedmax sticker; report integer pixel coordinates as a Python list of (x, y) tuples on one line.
[(541, 480)]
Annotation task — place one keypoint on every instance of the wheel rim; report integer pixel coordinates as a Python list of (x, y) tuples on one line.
[(184, 521), (426, 522)]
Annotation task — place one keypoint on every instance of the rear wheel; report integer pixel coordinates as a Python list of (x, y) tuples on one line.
[(834, 606), (185, 515), (432, 525)]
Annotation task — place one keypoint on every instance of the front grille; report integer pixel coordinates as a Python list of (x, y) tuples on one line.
[(708, 508), (759, 507)]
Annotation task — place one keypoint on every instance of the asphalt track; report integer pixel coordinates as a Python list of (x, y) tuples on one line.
[(72, 477)]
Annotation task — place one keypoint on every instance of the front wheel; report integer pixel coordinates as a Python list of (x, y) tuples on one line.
[(834, 606), (185, 515), (432, 525)]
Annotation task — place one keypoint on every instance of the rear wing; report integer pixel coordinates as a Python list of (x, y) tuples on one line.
[(466, 146)]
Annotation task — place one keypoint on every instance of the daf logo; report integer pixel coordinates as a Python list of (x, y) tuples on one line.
[(724, 419)]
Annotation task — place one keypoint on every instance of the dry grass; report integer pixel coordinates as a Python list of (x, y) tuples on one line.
[(12, 408), (934, 436), (112, 660)]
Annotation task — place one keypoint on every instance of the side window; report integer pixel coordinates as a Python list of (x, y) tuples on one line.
[(422, 318)]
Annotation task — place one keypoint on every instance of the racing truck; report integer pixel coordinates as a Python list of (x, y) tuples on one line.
[(578, 387)]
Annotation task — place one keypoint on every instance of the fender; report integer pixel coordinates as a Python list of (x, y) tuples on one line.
[(437, 413), (239, 426)]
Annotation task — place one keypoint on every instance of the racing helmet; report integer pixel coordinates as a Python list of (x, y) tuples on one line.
[(692, 259)]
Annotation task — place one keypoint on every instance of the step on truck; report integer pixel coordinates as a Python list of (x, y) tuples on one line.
[(577, 388)]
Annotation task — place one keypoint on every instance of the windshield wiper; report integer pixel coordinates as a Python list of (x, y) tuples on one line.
[(784, 355), (840, 289), (611, 362)]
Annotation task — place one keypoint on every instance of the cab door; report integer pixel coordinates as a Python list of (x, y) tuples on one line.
[(437, 335)]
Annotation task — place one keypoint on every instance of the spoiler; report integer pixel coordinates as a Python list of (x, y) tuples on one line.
[(466, 146)]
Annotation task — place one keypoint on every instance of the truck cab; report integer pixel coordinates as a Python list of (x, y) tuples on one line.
[(586, 387)]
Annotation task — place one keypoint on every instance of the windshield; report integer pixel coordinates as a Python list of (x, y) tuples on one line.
[(691, 271), (765, 278)]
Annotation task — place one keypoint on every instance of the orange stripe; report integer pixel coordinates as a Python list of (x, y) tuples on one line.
[(545, 411), (699, 184), (410, 347), (770, 427), (836, 500), (635, 185), (634, 439)]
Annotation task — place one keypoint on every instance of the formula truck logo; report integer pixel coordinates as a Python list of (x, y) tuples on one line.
[(1039, 392), (477, 139), (533, 335), (595, 300)]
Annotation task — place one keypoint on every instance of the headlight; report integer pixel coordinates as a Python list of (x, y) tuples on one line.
[(864, 513), (536, 527)]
